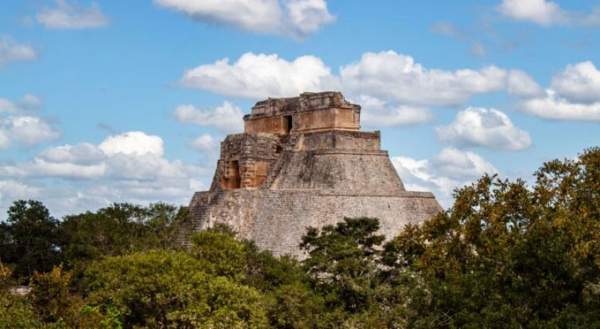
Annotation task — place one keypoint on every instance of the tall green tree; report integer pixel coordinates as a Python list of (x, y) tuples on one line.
[(30, 238), (342, 260)]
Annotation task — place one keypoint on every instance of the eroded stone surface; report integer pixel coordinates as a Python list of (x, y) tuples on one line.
[(303, 162)]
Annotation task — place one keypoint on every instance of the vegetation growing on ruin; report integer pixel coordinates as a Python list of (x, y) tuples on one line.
[(505, 255)]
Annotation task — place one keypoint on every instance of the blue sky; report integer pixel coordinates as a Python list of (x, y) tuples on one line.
[(113, 101)]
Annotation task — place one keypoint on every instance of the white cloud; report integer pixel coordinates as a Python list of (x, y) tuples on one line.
[(259, 76), (521, 84), (134, 160), (12, 190), (11, 51), (132, 143), (396, 76), (289, 17), (40, 167), (542, 12), (578, 83), (205, 143), (66, 15), (128, 167), (547, 13), (554, 107), (376, 113), (307, 16), (129, 156), (574, 94), (484, 127), (449, 169), (226, 118), (29, 130), (84, 153), (254, 15), (17, 124), (461, 165), (146, 167)]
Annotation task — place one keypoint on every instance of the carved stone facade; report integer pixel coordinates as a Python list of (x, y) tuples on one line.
[(303, 162)]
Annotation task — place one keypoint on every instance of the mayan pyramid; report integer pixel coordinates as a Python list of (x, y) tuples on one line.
[(301, 162)]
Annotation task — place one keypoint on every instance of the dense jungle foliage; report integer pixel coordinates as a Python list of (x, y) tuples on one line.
[(505, 255)]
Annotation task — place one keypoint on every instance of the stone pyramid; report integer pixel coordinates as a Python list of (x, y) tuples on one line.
[(301, 162)]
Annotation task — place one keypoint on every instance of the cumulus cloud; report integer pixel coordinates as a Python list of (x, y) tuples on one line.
[(28, 130), (387, 75), (11, 51), (578, 83), (484, 127), (18, 124), (307, 16), (297, 18), (128, 167), (574, 94), (133, 143), (396, 76), (226, 118), (449, 169), (205, 143), (547, 13), (67, 15), (257, 76), (377, 113), (542, 12), (398, 88), (554, 107), (43, 168), (84, 153)]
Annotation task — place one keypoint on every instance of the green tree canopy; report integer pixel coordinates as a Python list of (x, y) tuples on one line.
[(119, 229), (509, 256), (168, 289), (343, 261), (30, 238)]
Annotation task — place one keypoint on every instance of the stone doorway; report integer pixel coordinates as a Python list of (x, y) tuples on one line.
[(288, 123)]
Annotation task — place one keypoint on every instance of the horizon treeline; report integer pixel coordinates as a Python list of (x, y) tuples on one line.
[(505, 255)]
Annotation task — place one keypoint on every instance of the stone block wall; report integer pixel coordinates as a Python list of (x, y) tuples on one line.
[(361, 173), (339, 140), (276, 220)]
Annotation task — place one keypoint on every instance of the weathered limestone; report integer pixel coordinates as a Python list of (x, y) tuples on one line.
[(303, 162)]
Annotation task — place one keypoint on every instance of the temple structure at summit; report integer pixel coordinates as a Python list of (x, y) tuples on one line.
[(301, 162)]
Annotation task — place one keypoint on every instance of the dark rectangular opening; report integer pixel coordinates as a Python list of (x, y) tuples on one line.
[(288, 123)]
